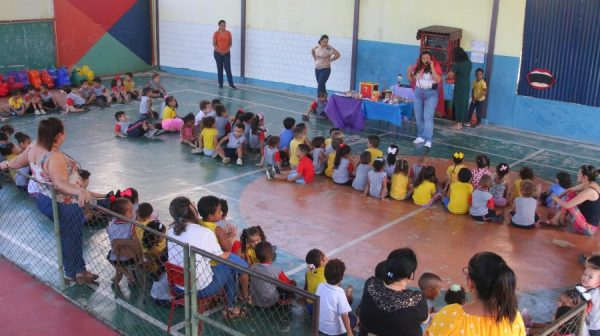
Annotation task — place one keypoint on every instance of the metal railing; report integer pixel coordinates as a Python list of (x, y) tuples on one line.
[(571, 323), (53, 248)]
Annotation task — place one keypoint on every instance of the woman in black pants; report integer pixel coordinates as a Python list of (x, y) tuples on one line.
[(222, 41)]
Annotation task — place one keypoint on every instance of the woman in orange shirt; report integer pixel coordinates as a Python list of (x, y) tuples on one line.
[(222, 44)]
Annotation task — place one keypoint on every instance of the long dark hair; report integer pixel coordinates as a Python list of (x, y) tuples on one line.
[(251, 231), (342, 151), (182, 213), (460, 55), (495, 283), (590, 172), (391, 157), (322, 38), (420, 66), (48, 130), (400, 264), (426, 174)]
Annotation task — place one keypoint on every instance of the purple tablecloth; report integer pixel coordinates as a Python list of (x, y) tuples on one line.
[(345, 113)]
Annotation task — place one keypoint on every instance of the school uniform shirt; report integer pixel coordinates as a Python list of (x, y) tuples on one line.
[(254, 140), (497, 189), (330, 160), (333, 303), (478, 90), (15, 103), (169, 113), (285, 138), (555, 190), (264, 294), (306, 169), (459, 197), (46, 97), (74, 99), (453, 170), (272, 156), (481, 201), (361, 177), (314, 279), (319, 106), (122, 126), (208, 138), (200, 237), (293, 149), (201, 115), (129, 85), (389, 169), (318, 163), (399, 186), (329, 149), (593, 317), (235, 142), (517, 189), (86, 92), (423, 192), (144, 105), (524, 211), (376, 182), (118, 230), (342, 174), (99, 91), (223, 126), (375, 153), (247, 130)]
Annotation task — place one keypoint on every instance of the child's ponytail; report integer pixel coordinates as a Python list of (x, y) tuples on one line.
[(502, 169), (458, 158), (313, 259), (401, 167), (503, 299), (342, 151), (392, 151), (181, 211), (482, 160)]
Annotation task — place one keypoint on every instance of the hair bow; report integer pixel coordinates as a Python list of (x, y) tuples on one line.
[(587, 296), (454, 288), (311, 267), (379, 159), (126, 192), (459, 155), (392, 150), (390, 275), (503, 168), (342, 145), (112, 198)]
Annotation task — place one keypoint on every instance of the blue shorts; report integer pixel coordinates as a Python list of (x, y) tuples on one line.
[(293, 174)]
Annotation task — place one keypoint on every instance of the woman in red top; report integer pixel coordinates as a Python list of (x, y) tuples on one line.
[(222, 43)]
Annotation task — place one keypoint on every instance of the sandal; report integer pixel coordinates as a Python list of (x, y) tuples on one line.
[(236, 312), (85, 278)]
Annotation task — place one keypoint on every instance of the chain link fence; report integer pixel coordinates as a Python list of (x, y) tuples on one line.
[(571, 322), (122, 272)]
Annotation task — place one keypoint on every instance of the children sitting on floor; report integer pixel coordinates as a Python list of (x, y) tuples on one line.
[(249, 238), (459, 193), (33, 101), (49, 102), (400, 187), (298, 139), (483, 163), (129, 84), (452, 171), (430, 285), (304, 172), (334, 133), (75, 103), (123, 128), (482, 202), (208, 137), (234, 149), (390, 161), (285, 138), (16, 105), (415, 169), (343, 168), (21, 180), (188, 135), (317, 107), (373, 147), (270, 157), (377, 180), (561, 183), (222, 123), (146, 111), (336, 316), (158, 90), (155, 247), (525, 173), (426, 192), (101, 93), (335, 145), (498, 189), (87, 92), (209, 209), (362, 171), (120, 229), (256, 136), (118, 92), (318, 155), (524, 206), (455, 295), (265, 294), (205, 111)]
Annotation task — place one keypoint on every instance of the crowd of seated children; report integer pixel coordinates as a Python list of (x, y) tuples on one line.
[(482, 202), (415, 168), (49, 102), (455, 295), (483, 164), (561, 183), (400, 187), (523, 214), (170, 121), (205, 111), (452, 171), (101, 93), (208, 139), (459, 193), (362, 171), (222, 122), (377, 180), (343, 168), (499, 189), (431, 285)]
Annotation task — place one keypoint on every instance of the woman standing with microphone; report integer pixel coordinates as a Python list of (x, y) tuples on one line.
[(426, 76)]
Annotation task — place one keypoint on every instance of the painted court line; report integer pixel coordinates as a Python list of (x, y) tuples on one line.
[(359, 239), (102, 291), (527, 157)]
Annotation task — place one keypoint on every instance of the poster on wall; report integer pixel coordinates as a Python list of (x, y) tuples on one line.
[(477, 57), (479, 46)]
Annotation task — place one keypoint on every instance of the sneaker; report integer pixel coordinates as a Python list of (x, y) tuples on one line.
[(418, 140), (43, 111), (467, 124), (304, 117), (151, 132), (226, 160), (197, 150), (269, 174), (159, 132), (233, 86), (239, 162), (428, 144), (37, 112)]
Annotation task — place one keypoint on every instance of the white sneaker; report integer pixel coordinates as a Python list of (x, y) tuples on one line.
[(428, 144), (196, 150), (43, 112), (37, 112), (239, 162), (151, 133), (226, 160), (418, 140)]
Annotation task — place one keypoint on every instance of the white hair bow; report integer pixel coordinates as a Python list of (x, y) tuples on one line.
[(311, 267), (392, 150), (584, 293)]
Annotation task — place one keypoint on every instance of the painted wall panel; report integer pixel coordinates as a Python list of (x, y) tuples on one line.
[(26, 10), (509, 33), (207, 12), (313, 17)]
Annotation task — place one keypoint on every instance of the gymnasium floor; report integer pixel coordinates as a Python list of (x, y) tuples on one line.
[(334, 219)]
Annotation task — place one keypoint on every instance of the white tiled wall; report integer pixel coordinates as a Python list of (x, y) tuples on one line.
[(189, 46), (270, 55)]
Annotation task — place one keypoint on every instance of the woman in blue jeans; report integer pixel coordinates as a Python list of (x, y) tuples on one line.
[(323, 54), (209, 280), (426, 75), (222, 42), (53, 167)]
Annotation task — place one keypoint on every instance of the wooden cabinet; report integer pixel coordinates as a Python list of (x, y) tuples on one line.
[(440, 41)]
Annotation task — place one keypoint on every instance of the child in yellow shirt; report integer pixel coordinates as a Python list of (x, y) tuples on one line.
[(208, 137), (297, 140), (479, 92), (426, 192), (372, 147), (16, 106), (452, 171), (249, 238), (525, 173), (459, 193), (315, 273), (335, 144), (400, 188)]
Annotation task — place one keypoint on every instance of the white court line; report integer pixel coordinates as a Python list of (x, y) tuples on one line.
[(200, 187), (527, 157), (102, 291), (366, 236)]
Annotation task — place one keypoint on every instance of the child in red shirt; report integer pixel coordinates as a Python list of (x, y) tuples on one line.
[(304, 172), (317, 107)]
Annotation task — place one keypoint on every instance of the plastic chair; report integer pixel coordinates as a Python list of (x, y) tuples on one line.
[(130, 249), (175, 278)]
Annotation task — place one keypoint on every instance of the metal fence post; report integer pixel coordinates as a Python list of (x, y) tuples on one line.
[(187, 289), (59, 258), (193, 295), (582, 325), (315, 316)]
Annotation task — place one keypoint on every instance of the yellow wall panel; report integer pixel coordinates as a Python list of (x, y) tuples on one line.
[(201, 11), (312, 17), (511, 22), (26, 9)]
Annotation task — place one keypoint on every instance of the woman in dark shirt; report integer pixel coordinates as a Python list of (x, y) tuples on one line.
[(461, 72), (388, 307)]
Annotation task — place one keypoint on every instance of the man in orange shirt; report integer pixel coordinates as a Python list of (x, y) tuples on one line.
[(222, 43)]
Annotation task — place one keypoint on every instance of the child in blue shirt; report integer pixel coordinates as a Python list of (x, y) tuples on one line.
[(285, 138), (562, 182)]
